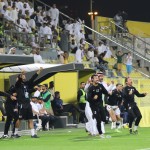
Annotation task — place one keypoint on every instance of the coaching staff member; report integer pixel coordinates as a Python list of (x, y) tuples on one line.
[(24, 88), (96, 103), (134, 113)]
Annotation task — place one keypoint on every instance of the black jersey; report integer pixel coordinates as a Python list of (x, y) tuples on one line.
[(116, 98), (24, 89), (96, 90), (129, 98), (9, 101)]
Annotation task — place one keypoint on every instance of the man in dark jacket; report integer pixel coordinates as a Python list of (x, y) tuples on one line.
[(59, 107), (24, 88), (134, 113), (11, 109)]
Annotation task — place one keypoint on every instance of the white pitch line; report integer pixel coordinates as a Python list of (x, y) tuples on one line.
[(144, 149)]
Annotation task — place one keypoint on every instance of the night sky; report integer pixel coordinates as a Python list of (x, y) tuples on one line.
[(137, 10)]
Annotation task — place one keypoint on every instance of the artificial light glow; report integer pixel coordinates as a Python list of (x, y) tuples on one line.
[(90, 13), (95, 13)]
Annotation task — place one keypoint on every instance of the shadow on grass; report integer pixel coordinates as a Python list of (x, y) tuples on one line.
[(83, 138)]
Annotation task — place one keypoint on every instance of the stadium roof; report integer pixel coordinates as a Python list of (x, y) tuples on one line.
[(48, 71), (13, 60)]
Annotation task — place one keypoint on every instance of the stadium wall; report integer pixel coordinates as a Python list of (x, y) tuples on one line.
[(135, 27)]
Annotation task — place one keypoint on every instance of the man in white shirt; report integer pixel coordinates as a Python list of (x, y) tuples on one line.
[(46, 31), (54, 14), (5, 13), (24, 24), (27, 4), (79, 54), (39, 113), (100, 48), (77, 26), (38, 91), (80, 35), (31, 23), (2, 3), (38, 58), (90, 53), (24, 9), (19, 5), (108, 52), (14, 14), (69, 27)]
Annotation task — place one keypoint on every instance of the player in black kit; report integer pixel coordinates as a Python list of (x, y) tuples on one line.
[(114, 102), (11, 109), (133, 110), (96, 103)]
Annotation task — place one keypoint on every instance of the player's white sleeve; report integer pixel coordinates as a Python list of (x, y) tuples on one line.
[(86, 87), (111, 87)]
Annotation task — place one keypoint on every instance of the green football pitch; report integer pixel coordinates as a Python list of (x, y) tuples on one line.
[(78, 139)]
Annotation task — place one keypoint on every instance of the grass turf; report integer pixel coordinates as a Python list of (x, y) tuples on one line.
[(77, 139)]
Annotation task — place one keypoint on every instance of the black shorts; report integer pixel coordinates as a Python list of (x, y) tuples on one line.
[(26, 112), (134, 111)]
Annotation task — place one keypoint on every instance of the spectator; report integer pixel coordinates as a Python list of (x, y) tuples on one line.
[(129, 63), (95, 61), (5, 13), (38, 57), (54, 32), (69, 27), (38, 91), (60, 56), (103, 64), (90, 53), (64, 40), (19, 14), (24, 24), (72, 37), (24, 9), (36, 112), (31, 22), (79, 54), (46, 95), (46, 32), (14, 14), (100, 48), (12, 51), (80, 35), (108, 53), (51, 90), (50, 117), (2, 4), (119, 56), (66, 56), (119, 21), (73, 46), (26, 2), (54, 14), (33, 52), (76, 28), (19, 4), (59, 107)]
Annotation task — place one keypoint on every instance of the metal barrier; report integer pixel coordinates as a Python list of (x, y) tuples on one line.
[(23, 40)]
